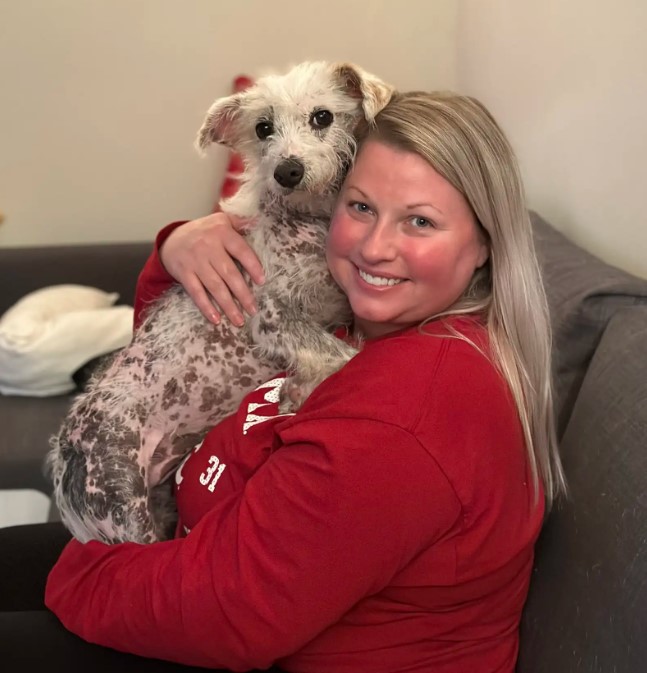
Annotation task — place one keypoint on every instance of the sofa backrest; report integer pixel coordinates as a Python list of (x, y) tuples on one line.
[(113, 267), (584, 293), (587, 608)]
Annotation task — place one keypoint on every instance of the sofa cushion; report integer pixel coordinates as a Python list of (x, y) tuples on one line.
[(592, 554), (48, 303), (27, 424), (583, 294), (51, 332)]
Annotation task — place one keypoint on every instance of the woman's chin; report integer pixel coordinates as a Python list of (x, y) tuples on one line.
[(374, 323)]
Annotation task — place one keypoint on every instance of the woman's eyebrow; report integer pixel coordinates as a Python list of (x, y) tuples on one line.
[(410, 207), (357, 189), (430, 205)]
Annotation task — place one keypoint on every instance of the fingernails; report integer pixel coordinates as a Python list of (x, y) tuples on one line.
[(252, 310), (215, 318), (239, 321)]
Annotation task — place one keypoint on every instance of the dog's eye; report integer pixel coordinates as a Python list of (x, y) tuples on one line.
[(264, 130), (321, 119)]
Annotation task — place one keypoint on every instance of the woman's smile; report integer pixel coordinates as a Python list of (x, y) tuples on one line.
[(403, 242), (376, 280)]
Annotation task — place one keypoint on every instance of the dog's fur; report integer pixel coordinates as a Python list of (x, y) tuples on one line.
[(180, 375)]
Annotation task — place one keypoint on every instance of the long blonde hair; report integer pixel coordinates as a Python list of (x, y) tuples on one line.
[(463, 143)]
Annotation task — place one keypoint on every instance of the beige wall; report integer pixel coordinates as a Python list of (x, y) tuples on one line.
[(101, 99), (568, 81)]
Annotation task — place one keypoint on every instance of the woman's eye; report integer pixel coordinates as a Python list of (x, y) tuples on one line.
[(421, 222), (360, 207)]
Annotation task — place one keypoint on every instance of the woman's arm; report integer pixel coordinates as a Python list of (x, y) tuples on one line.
[(153, 279), (267, 569)]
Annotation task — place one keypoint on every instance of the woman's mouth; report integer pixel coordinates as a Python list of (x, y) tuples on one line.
[(378, 281)]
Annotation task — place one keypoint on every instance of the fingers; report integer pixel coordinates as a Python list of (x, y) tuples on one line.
[(225, 299), (206, 256), (231, 292), (195, 289), (221, 275), (240, 250)]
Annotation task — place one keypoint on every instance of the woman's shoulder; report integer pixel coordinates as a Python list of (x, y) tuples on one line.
[(439, 385), (393, 376), (422, 354), (439, 391)]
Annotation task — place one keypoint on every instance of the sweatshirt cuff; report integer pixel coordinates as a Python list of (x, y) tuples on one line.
[(154, 279)]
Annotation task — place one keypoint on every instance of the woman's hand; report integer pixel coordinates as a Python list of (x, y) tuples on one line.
[(202, 255)]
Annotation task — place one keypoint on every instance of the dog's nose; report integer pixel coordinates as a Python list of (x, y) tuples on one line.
[(289, 173)]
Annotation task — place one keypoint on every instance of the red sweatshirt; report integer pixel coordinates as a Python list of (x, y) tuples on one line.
[(387, 527)]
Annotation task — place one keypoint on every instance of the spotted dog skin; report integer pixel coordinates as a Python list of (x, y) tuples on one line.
[(155, 399)]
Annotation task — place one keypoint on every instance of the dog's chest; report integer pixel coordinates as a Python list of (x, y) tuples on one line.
[(292, 250)]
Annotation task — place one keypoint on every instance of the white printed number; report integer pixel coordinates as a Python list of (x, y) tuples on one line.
[(210, 476)]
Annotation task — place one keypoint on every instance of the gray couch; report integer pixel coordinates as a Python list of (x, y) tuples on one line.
[(587, 609), (588, 601), (27, 422)]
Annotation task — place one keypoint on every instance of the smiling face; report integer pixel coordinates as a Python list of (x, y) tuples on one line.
[(403, 242)]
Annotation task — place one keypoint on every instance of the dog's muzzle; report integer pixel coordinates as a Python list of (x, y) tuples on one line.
[(289, 173)]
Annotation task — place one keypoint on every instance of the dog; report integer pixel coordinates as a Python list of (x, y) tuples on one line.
[(152, 402)]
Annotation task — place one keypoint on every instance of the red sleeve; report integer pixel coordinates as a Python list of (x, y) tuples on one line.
[(154, 279), (265, 570)]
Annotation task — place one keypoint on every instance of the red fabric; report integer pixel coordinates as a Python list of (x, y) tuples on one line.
[(376, 530), (153, 279)]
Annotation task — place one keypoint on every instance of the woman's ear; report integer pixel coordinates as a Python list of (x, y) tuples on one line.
[(483, 253), (484, 242)]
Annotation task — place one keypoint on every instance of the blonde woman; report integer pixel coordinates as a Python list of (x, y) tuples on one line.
[(389, 525)]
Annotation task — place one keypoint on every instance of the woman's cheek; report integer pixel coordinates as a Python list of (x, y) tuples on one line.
[(337, 249), (334, 240), (331, 247)]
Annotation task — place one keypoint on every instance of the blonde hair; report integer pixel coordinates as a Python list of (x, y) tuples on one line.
[(463, 143)]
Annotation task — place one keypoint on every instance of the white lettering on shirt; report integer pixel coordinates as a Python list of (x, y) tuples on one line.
[(272, 396), (211, 475)]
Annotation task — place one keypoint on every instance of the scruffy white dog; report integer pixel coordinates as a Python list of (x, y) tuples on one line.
[(180, 375)]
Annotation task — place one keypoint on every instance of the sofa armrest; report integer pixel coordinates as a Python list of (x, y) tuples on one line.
[(113, 267), (587, 606)]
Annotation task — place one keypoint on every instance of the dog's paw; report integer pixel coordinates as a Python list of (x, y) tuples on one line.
[(295, 392), (293, 395)]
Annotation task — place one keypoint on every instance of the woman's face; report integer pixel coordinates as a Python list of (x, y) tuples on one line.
[(403, 242)]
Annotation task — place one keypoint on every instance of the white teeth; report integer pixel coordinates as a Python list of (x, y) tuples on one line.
[(377, 280)]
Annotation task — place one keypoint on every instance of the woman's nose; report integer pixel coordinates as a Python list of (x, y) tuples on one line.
[(379, 243)]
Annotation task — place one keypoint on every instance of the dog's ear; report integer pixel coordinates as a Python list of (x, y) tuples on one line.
[(220, 124), (358, 83)]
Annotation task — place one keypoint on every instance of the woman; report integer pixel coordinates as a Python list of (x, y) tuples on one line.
[(390, 524)]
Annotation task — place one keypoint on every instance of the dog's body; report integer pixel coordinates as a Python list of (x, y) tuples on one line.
[(157, 398)]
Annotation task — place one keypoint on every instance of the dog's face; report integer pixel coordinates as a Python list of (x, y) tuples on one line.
[(296, 132)]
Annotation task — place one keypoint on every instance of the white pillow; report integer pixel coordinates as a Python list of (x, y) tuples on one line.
[(24, 320), (47, 335)]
